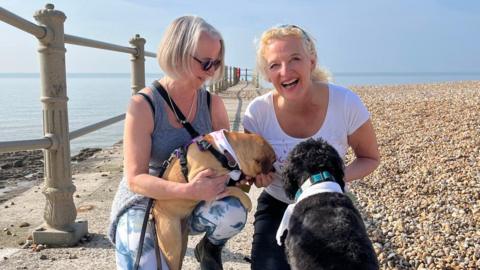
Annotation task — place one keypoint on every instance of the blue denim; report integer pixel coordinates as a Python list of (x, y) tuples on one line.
[(219, 220)]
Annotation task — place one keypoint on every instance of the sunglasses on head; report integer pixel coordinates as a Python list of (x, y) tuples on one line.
[(296, 27), (208, 64)]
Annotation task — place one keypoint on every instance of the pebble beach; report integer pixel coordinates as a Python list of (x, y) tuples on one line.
[(421, 206)]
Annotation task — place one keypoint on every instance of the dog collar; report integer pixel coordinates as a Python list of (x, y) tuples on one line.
[(321, 186), (315, 179)]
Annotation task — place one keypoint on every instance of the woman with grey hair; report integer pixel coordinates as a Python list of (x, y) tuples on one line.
[(190, 53)]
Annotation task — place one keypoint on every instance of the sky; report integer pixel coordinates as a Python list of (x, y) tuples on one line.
[(351, 36)]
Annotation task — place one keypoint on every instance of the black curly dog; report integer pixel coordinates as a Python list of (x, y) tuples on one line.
[(325, 230)]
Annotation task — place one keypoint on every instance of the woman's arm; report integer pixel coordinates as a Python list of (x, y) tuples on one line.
[(367, 157), (137, 145), (219, 114)]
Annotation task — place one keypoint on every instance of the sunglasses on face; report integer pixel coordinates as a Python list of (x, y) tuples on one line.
[(208, 64)]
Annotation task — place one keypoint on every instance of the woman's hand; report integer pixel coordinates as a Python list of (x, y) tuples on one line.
[(261, 180), (207, 186)]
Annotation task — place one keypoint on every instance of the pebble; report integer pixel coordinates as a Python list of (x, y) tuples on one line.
[(24, 224)]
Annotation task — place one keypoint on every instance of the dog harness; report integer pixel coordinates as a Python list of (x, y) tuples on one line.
[(315, 184)]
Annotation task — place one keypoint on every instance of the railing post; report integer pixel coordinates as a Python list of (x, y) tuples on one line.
[(236, 75), (138, 64), (60, 213), (225, 79), (215, 88)]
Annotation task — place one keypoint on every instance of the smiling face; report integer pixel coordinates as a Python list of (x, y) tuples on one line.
[(288, 66), (208, 49)]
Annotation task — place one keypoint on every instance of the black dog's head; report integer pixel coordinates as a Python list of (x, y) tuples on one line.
[(308, 158)]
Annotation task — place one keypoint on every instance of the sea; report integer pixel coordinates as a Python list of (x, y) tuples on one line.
[(95, 97)]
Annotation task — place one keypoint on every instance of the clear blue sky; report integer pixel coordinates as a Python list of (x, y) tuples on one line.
[(352, 36)]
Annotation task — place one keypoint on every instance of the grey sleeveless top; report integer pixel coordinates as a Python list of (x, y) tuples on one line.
[(165, 139)]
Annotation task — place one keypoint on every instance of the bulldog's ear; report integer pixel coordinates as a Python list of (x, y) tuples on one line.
[(233, 136), (229, 135)]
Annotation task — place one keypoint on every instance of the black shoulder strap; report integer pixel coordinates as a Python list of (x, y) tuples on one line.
[(149, 100), (176, 110), (209, 98)]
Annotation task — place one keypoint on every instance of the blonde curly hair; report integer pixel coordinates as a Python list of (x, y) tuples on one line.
[(282, 31)]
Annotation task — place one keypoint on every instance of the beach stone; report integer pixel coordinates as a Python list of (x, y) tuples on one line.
[(428, 139), (24, 224)]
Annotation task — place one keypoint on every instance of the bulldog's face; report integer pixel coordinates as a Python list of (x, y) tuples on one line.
[(255, 154)]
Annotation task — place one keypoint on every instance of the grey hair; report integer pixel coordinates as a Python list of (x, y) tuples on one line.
[(282, 31), (180, 43)]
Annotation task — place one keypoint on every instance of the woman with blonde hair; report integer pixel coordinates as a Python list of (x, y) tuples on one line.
[(190, 53), (303, 105)]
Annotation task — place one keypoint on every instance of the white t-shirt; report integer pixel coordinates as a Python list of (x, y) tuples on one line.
[(345, 114)]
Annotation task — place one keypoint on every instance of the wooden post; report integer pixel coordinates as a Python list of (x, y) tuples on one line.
[(138, 64), (246, 74), (60, 227)]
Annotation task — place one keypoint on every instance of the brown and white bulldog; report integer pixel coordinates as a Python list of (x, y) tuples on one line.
[(254, 155)]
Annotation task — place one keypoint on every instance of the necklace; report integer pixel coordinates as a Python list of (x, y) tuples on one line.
[(175, 111)]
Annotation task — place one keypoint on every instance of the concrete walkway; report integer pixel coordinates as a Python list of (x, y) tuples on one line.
[(96, 180)]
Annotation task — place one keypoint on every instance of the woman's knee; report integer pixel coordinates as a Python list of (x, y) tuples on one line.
[(220, 219)]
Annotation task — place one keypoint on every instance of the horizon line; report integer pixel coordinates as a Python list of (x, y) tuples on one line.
[(343, 73)]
